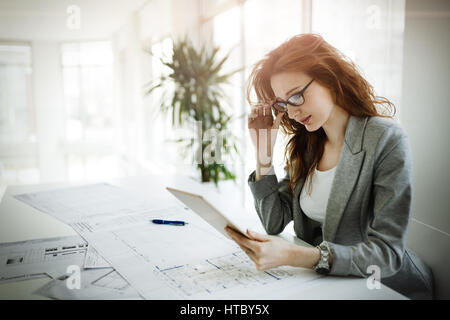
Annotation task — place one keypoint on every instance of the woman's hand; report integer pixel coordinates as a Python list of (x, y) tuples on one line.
[(263, 132), (269, 252)]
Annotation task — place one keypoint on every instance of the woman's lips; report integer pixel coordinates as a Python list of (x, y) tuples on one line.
[(305, 120)]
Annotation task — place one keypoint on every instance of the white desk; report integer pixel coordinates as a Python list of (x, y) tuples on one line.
[(19, 222)]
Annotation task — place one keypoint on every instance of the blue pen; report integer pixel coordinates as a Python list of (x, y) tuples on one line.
[(170, 222)]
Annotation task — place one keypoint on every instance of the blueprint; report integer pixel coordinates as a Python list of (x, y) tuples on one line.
[(194, 261), (100, 284), (190, 262), (41, 257), (228, 276), (94, 260), (71, 204)]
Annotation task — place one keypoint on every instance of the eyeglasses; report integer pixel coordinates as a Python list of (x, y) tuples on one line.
[(296, 100)]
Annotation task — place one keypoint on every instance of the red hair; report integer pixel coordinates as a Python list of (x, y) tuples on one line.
[(311, 54)]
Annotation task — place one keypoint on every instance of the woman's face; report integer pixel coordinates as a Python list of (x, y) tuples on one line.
[(318, 100)]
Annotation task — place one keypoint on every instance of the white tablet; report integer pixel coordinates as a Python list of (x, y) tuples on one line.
[(207, 211)]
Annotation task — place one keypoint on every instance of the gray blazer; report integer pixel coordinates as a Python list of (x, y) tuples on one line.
[(368, 208)]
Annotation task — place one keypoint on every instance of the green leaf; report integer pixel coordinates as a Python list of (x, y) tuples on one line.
[(197, 72)]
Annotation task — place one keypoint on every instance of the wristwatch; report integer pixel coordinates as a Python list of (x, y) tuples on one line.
[(323, 266)]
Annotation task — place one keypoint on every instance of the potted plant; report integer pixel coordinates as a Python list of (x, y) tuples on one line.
[(193, 90)]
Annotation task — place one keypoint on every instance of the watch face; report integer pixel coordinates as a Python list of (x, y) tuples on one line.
[(323, 270)]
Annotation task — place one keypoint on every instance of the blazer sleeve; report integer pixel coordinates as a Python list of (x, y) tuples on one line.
[(273, 201), (392, 190)]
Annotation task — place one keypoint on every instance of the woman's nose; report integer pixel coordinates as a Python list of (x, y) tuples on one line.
[(291, 111)]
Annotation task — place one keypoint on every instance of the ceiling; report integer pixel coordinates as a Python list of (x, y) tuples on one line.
[(31, 20)]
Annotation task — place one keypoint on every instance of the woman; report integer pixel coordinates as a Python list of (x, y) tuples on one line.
[(348, 185)]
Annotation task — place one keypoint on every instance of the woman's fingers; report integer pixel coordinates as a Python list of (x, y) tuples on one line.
[(258, 236), (246, 250), (253, 113), (250, 253), (276, 123), (242, 240), (251, 248), (260, 110), (260, 117), (264, 110)]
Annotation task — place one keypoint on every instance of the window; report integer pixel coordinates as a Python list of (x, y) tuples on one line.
[(251, 29), (369, 32), (87, 76), (18, 160), (162, 153), (266, 27), (87, 69), (16, 109)]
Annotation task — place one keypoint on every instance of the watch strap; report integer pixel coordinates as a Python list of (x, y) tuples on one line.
[(323, 266)]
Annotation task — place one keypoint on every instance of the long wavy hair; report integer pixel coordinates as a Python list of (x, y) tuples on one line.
[(311, 54)]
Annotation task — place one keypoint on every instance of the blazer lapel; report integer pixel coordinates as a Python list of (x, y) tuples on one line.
[(346, 175)]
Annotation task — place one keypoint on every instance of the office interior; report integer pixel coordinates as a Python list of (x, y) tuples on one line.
[(73, 77)]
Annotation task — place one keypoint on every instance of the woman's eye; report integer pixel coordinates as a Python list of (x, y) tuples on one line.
[(296, 99)]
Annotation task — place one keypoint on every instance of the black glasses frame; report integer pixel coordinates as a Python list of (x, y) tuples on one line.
[(283, 108)]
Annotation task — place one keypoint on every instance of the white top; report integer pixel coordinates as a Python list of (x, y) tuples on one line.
[(315, 205)]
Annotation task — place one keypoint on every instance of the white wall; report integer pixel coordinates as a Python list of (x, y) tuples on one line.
[(425, 116)]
